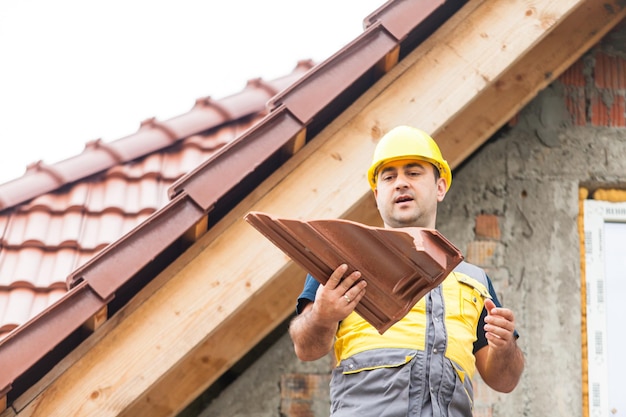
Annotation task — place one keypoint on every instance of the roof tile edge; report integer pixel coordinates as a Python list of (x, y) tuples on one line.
[(36, 182)]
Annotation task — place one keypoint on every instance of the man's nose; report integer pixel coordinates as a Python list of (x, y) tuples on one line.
[(401, 182)]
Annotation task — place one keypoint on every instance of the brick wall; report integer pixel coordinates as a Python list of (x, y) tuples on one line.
[(596, 90)]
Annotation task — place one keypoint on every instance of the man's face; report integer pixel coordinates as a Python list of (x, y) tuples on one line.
[(407, 193)]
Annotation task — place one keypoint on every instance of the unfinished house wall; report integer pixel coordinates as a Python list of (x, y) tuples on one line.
[(512, 209)]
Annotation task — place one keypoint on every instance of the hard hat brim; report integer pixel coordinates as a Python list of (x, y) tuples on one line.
[(442, 167)]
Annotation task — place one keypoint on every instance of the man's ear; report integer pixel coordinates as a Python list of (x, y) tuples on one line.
[(441, 189)]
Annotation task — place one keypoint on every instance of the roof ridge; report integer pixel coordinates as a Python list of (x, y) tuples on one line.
[(152, 136)]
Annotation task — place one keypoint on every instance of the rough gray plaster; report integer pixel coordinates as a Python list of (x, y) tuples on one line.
[(539, 278)]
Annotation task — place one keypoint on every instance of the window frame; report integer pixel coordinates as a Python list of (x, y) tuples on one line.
[(600, 376)]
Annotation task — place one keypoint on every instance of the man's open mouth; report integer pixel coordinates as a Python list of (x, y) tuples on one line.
[(404, 199)]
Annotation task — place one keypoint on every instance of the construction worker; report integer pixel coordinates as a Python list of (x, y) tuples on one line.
[(423, 365)]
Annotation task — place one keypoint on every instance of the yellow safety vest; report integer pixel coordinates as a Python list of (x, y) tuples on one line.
[(464, 298)]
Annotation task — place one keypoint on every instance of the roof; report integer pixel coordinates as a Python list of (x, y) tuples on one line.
[(201, 219), (139, 158), (56, 218)]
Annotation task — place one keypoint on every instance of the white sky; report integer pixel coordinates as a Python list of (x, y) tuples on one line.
[(76, 70)]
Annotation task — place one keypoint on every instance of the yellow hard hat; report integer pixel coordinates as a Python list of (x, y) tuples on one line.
[(405, 142)]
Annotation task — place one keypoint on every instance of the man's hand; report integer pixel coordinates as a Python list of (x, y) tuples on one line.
[(501, 362), (336, 299), (499, 325), (313, 331)]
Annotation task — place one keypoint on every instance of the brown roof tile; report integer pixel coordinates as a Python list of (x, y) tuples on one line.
[(46, 238), (152, 136), (231, 140), (399, 265), (66, 224)]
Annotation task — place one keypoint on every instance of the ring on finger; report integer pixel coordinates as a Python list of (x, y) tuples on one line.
[(347, 298)]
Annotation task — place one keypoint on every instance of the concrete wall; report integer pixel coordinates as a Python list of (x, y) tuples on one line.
[(512, 209)]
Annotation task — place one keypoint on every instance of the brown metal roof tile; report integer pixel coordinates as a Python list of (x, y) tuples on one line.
[(59, 202), (26, 266), (401, 18), (251, 150), (103, 277), (322, 85), (192, 156), (399, 265), (105, 228), (66, 228), (55, 265), (41, 228), (146, 196), (93, 286), (47, 298), (116, 264), (386, 28), (150, 165), (112, 205), (26, 345), (33, 182), (152, 137), (126, 196), (25, 230), (19, 305), (36, 267), (206, 143), (71, 225)]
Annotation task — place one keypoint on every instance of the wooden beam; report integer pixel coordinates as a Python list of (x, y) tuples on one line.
[(233, 286), (95, 321), (294, 145), (389, 61), (227, 343), (197, 230), (463, 133)]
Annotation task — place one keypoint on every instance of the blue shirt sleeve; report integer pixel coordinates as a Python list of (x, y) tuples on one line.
[(308, 293)]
